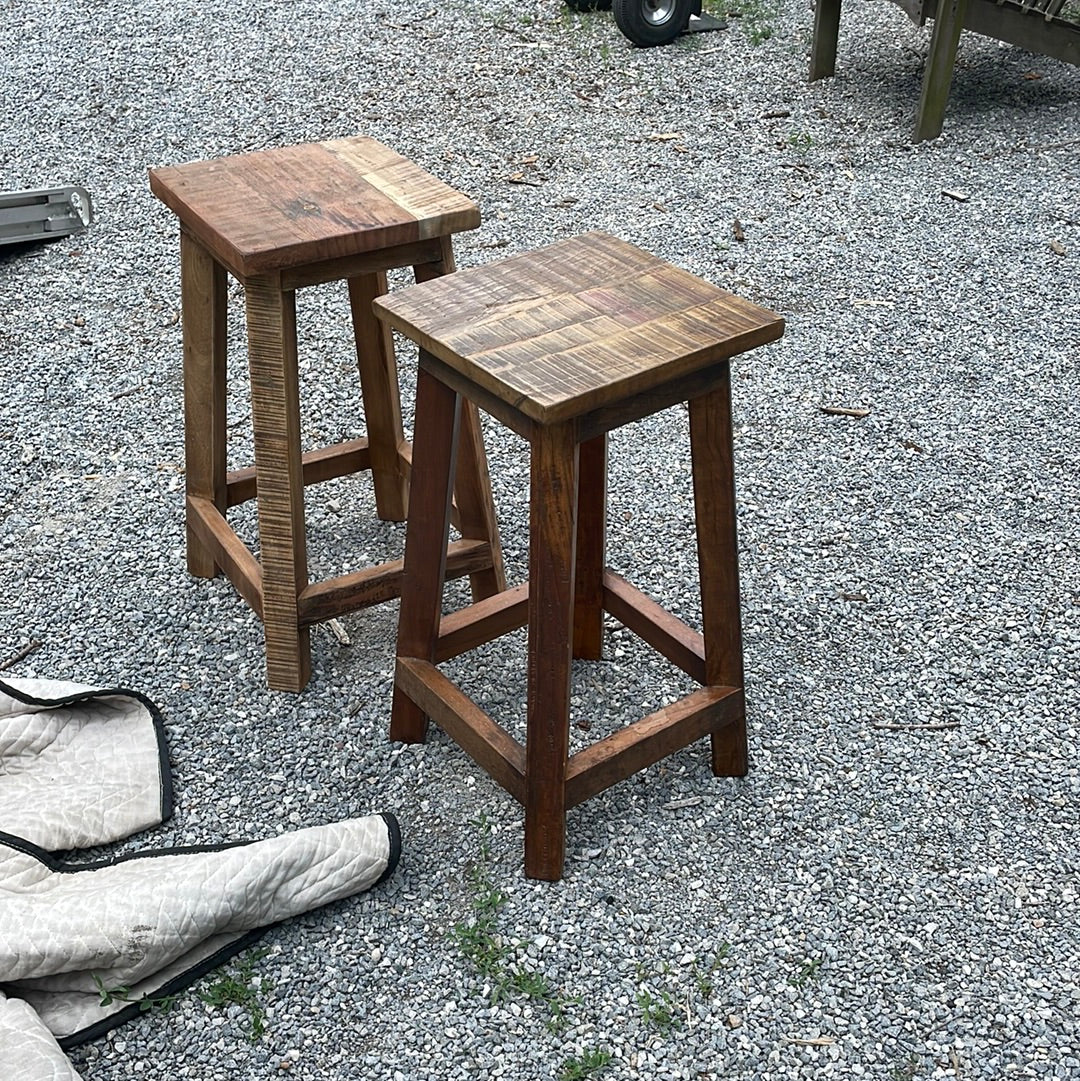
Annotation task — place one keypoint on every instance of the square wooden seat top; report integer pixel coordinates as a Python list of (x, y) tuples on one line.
[(298, 205), (575, 326)]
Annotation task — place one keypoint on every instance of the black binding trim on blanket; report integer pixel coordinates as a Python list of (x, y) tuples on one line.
[(21, 844), (82, 697), (393, 832), (28, 848), (173, 987)]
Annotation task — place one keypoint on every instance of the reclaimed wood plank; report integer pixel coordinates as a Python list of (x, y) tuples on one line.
[(228, 550), (275, 414), (589, 554), (434, 458), (322, 464), (382, 397), (482, 622), (373, 585), (288, 206), (552, 534), (561, 331)]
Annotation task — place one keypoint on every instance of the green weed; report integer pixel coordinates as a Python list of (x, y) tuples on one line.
[(807, 972), (755, 18), (588, 1063), (238, 988), (905, 1069), (478, 939), (658, 1011), (109, 995)]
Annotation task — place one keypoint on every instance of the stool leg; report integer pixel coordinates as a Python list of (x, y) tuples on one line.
[(718, 562), (552, 535), (476, 509), (382, 401), (275, 412), (438, 411), (591, 528), (475, 516), (205, 335)]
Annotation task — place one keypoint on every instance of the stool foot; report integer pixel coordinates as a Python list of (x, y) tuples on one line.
[(729, 752)]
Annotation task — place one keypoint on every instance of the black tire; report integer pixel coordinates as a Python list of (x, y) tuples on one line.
[(652, 22)]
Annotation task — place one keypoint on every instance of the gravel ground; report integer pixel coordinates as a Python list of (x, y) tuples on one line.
[(878, 898)]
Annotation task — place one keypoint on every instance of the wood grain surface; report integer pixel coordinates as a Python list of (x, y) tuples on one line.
[(293, 205), (576, 325)]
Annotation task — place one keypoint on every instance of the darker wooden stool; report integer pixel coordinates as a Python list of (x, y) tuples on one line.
[(279, 220), (562, 345)]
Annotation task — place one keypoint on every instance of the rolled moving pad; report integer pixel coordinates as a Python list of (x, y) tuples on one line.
[(144, 925)]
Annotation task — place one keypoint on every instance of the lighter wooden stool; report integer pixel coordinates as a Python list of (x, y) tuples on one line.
[(278, 220), (562, 345)]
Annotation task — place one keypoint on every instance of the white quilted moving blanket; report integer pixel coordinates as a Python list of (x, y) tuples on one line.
[(81, 767)]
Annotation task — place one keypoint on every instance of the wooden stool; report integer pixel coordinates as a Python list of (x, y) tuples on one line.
[(279, 220), (562, 345)]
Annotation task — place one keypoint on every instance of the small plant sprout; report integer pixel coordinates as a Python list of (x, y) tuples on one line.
[(588, 1064), (242, 987)]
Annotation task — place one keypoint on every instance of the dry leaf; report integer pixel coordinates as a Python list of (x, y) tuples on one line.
[(1030, 75), (959, 196), (665, 136), (532, 159), (1057, 247), (817, 1041), (738, 231), (844, 411)]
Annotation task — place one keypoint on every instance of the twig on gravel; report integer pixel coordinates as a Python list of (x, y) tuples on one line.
[(516, 33), (21, 655), (844, 411), (932, 726)]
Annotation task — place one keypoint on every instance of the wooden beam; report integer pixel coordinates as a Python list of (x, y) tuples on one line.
[(948, 22), (493, 749), (482, 622), (826, 33), (326, 463), (373, 585), (667, 634), (649, 740), (332, 270), (229, 551)]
